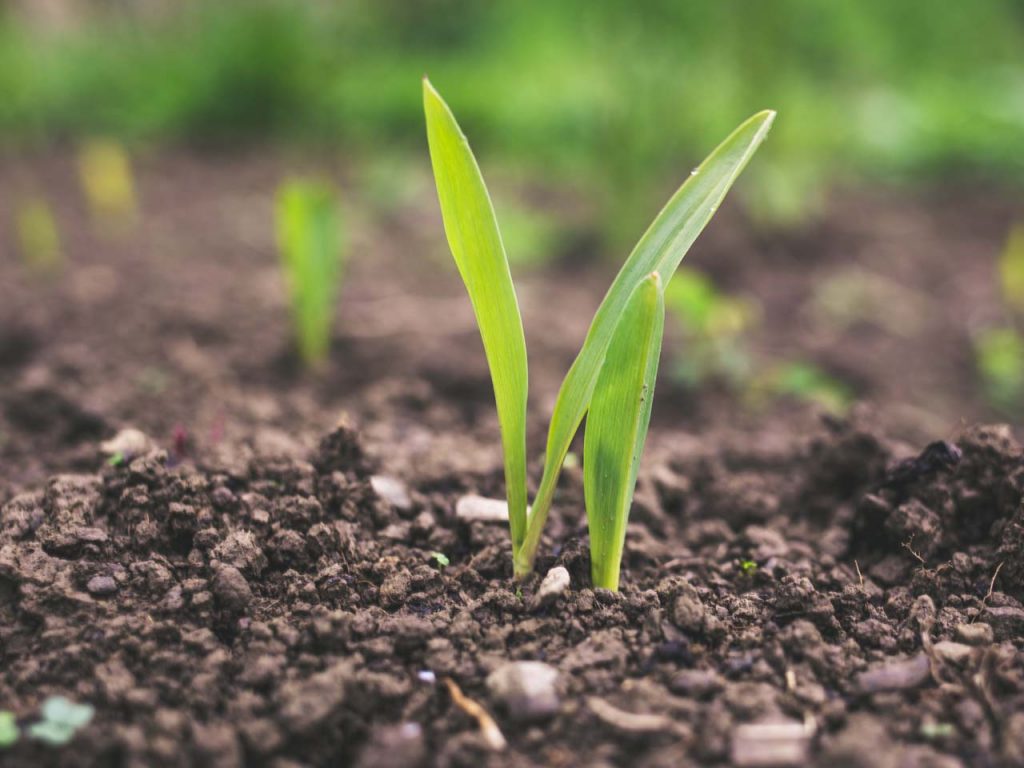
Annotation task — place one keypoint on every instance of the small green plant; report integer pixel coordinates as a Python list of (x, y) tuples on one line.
[(38, 237), (612, 378), (999, 350), (441, 559), (748, 567), (105, 175), (62, 719), (713, 326), (309, 236), (9, 732)]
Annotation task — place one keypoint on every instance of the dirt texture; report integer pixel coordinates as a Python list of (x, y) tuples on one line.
[(273, 572)]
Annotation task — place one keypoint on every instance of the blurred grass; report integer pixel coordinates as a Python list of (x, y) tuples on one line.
[(615, 99)]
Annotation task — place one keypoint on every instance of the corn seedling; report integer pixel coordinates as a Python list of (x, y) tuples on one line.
[(310, 243), (105, 174), (613, 375), (38, 237)]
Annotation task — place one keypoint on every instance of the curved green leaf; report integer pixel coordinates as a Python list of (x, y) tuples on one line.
[(617, 426), (660, 250), (475, 241)]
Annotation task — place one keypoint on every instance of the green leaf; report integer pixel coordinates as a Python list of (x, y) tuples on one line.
[(617, 426), (309, 239), (476, 245), (660, 250)]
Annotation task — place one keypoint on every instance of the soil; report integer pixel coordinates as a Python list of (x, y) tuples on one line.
[(258, 585)]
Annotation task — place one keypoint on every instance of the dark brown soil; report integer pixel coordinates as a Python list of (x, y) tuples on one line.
[(242, 594)]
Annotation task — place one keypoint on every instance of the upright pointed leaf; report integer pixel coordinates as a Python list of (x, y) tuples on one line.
[(476, 244), (660, 250), (617, 426)]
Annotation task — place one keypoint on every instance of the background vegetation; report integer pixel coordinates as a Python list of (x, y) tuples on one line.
[(613, 98)]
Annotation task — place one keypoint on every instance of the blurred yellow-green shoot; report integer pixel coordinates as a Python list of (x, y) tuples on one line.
[(1011, 270), (310, 241), (38, 237), (999, 356), (108, 184)]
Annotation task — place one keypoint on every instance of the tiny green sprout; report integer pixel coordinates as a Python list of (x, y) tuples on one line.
[(713, 325), (116, 459), (38, 237), (612, 377), (9, 732), (441, 559), (748, 567), (806, 381), (62, 719), (1011, 269), (931, 730), (309, 236), (105, 174), (999, 357)]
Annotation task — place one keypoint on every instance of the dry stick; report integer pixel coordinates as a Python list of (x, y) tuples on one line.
[(489, 728), (906, 546), (991, 589)]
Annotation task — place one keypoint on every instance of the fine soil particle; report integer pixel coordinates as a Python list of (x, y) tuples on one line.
[(844, 604)]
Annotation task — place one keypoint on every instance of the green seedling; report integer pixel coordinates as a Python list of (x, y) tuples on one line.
[(806, 381), (748, 567), (619, 355), (441, 559), (38, 237), (62, 719), (310, 242), (999, 350), (713, 326), (9, 732), (999, 357), (105, 175)]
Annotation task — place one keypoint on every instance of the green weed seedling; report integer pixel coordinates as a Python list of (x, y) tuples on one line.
[(612, 378), (309, 236), (62, 719)]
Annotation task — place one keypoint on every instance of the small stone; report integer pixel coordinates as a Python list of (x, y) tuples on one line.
[(975, 634), (952, 653), (1007, 621), (770, 743), (696, 683), (896, 676), (627, 722), (479, 509), (527, 689), (231, 590), (555, 583), (392, 490), (101, 586), (128, 444)]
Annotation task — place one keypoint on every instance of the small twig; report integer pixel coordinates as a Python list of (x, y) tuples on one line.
[(489, 728), (991, 589), (906, 546)]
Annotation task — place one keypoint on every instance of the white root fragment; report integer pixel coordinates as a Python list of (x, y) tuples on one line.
[(490, 730)]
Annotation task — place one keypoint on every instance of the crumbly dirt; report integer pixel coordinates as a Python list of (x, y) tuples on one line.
[(278, 611), (259, 588)]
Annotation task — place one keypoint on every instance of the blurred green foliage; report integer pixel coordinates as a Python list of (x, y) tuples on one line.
[(612, 97), (312, 249), (38, 237)]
